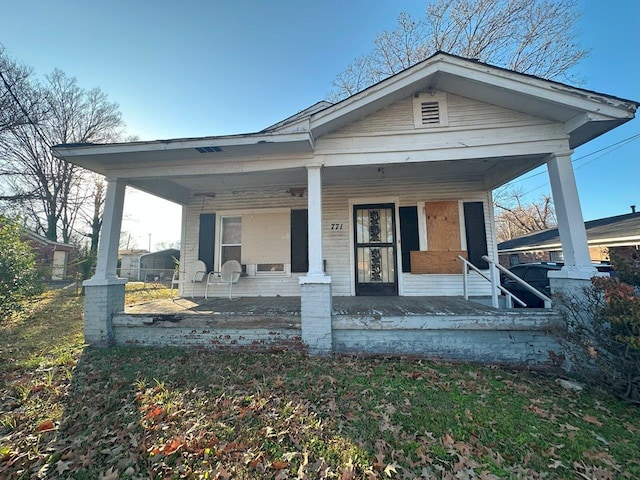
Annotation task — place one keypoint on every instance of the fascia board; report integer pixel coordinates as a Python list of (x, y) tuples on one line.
[(547, 91), (62, 151)]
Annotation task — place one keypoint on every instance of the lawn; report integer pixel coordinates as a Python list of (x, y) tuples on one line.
[(68, 411)]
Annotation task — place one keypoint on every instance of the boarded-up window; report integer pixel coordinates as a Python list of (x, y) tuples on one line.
[(409, 238), (299, 241), (206, 238), (443, 240), (476, 233), (443, 226)]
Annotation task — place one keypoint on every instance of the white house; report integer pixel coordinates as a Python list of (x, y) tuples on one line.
[(375, 195)]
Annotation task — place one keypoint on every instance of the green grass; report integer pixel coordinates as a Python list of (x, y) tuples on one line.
[(67, 411)]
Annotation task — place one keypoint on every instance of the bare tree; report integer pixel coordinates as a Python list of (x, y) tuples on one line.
[(18, 100), (53, 192), (93, 218), (536, 37), (516, 217)]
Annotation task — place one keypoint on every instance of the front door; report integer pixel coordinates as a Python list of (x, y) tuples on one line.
[(375, 249)]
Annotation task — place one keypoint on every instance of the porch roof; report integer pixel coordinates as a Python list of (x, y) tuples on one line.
[(290, 144)]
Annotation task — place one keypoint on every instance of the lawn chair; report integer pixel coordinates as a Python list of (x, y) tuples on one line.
[(195, 273), (229, 274), (175, 282)]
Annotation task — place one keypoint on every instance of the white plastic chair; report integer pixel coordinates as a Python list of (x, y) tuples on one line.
[(175, 282), (229, 274)]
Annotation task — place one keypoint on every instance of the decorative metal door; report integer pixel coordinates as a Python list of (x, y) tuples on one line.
[(375, 249)]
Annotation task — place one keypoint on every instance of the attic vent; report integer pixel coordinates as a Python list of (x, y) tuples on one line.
[(208, 149), (429, 113), (430, 110)]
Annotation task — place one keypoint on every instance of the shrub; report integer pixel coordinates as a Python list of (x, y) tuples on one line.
[(601, 336), (626, 262), (18, 276)]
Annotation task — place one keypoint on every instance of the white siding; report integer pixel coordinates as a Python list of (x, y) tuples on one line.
[(337, 241), (463, 113), (244, 200)]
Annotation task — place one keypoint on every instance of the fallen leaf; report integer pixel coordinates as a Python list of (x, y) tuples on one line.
[(172, 447), (46, 426), (597, 456), (555, 465), (592, 419), (391, 468), (110, 474), (62, 466), (279, 465)]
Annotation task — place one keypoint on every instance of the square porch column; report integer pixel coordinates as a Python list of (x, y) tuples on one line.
[(577, 270), (104, 292), (315, 287)]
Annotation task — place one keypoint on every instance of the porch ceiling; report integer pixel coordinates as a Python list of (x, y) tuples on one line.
[(482, 173)]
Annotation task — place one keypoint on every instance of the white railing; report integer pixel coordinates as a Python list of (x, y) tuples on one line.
[(494, 279), (494, 301), (537, 293)]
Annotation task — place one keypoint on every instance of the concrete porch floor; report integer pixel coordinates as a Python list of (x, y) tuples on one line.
[(290, 306)]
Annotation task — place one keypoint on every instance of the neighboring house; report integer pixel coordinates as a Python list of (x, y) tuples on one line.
[(375, 195), (130, 263), (158, 266), (604, 236), (53, 258)]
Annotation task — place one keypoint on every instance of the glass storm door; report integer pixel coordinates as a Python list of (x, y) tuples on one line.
[(375, 249)]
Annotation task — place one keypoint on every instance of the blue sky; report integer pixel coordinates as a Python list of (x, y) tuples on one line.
[(197, 68)]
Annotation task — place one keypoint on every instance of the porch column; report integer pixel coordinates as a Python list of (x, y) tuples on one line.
[(577, 270), (315, 287), (314, 204), (104, 292)]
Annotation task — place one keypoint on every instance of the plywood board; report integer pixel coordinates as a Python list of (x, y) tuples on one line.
[(443, 226), (436, 262)]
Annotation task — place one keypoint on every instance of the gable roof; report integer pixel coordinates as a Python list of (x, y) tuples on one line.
[(609, 231), (36, 237), (585, 114)]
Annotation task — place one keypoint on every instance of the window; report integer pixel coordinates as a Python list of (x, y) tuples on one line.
[(231, 239), (267, 268), (430, 110), (259, 239), (556, 256)]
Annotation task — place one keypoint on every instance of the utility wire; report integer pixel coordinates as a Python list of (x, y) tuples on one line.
[(613, 147), (24, 110), (619, 144)]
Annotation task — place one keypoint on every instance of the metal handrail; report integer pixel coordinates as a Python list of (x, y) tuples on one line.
[(536, 292), (510, 296)]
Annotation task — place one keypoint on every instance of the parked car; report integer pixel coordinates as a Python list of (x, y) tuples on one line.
[(536, 275)]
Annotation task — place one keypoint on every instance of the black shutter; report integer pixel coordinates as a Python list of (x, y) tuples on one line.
[(409, 239), (299, 241), (206, 239), (476, 233)]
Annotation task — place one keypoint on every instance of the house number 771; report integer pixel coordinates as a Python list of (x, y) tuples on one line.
[(336, 226)]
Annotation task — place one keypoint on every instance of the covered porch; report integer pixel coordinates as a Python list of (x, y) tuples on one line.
[(333, 203), (446, 327)]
